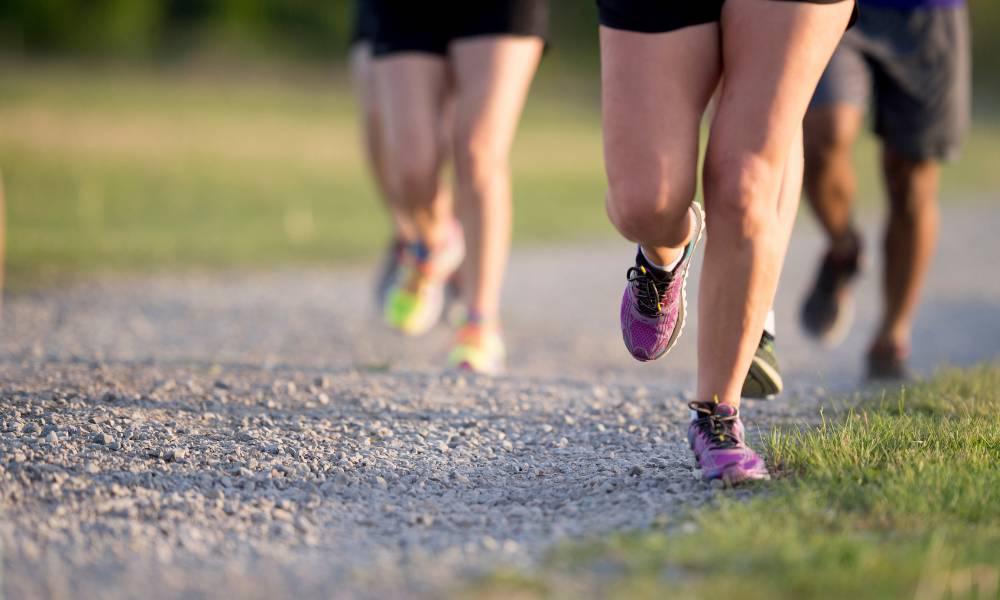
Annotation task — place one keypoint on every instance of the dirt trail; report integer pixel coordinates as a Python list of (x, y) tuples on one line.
[(260, 435)]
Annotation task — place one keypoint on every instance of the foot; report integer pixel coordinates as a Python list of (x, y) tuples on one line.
[(654, 304), (717, 437), (479, 349), (388, 273), (763, 381), (887, 363), (829, 309), (416, 301)]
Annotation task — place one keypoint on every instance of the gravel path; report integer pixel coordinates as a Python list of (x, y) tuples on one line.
[(258, 435)]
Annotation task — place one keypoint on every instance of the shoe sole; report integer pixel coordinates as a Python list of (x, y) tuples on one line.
[(735, 476), (466, 367), (675, 335), (766, 379)]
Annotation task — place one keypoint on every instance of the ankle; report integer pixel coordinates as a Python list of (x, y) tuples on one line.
[(888, 345), (482, 320), (847, 244), (661, 261)]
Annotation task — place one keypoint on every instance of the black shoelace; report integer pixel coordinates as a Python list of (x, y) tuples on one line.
[(719, 429), (649, 290)]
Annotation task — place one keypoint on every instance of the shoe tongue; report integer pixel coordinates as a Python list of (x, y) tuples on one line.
[(725, 410)]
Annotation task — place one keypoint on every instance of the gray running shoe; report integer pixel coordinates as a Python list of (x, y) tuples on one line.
[(763, 381)]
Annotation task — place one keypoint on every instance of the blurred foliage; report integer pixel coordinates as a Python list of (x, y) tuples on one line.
[(300, 29), (165, 28)]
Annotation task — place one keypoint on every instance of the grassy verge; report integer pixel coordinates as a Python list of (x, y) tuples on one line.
[(898, 499), (129, 170)]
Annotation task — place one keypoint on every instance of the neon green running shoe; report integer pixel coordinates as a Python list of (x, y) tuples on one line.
[(763, 381), (415, 303), (479, 349)]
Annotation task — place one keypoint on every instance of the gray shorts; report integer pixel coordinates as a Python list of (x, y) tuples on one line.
[(915, 66)]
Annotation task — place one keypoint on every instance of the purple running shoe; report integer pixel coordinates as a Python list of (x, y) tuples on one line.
[(717, 439), (654, 306)]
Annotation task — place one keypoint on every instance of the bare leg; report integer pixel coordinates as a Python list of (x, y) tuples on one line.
[(371, 124), (830, 182), (791, 191), (3, 242), (910, 240), (492, 77), (655, 89), (411, 92), (769, 80)]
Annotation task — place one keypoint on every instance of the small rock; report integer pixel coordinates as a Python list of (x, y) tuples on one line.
[(635, 471), (175, 454), (103, 438), (52, 438), (280, 514)]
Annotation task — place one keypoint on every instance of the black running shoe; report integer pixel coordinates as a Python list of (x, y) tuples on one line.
[(829, 308), (887, 364), (763, 381)]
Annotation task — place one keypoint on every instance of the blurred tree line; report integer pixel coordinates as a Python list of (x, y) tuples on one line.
[(297, 29)]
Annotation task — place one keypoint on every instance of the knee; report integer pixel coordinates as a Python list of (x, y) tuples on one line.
[(741, 192), (479, 162), (650, 209)]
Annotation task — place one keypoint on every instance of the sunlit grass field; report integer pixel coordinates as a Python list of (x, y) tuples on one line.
[(898, 498), (111, 169)]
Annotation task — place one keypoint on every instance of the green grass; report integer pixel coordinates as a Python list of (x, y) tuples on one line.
[(110, 169), (899, 498)]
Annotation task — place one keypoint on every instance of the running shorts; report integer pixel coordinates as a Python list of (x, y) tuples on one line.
[(364, 22), (913, 67), (411, 26), (649, 16)]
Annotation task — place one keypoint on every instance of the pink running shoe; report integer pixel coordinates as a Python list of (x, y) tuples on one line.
[(654, 306), (717, 439)]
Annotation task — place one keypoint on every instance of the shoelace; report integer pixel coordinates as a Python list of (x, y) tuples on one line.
[(719, 430), (649, 292)]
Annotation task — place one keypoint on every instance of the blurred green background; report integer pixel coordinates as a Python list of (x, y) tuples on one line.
[(142, 134)]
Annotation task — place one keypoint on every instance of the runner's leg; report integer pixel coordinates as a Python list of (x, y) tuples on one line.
[(830, 181), (655, 88), (411, 91), (492, 78), (910, 240), (769, 80)]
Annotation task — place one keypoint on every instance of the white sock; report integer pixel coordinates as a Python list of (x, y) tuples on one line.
[(667, 268), (769, 323)]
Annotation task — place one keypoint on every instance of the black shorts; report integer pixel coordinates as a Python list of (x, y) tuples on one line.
[(411, 26), (365, 21), (648, 16)]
